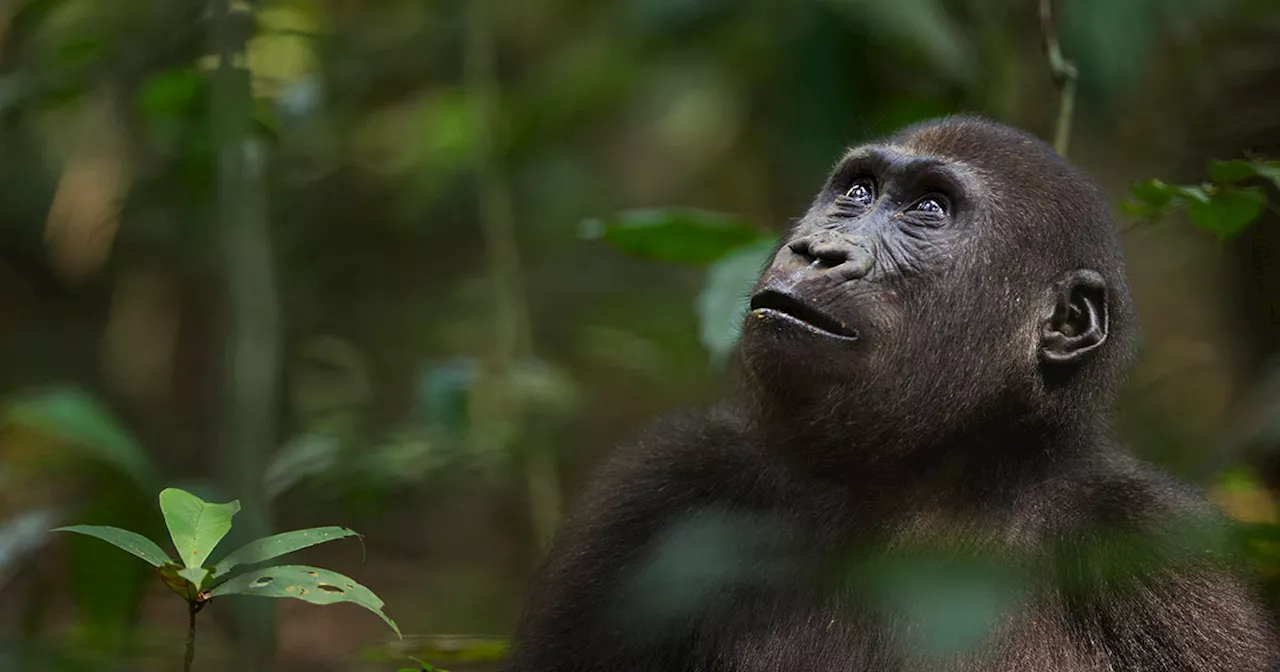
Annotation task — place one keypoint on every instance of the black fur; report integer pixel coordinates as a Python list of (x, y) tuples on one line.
[(919, 473)]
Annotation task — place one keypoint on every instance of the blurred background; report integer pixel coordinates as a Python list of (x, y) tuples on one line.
[(413, 267)]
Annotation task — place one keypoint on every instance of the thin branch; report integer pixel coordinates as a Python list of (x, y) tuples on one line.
[(1064, 77)]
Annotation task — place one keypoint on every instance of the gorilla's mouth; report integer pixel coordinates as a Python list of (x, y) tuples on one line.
[(774, 304)]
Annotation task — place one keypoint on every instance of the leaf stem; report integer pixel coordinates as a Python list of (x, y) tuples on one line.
[(1064, 77)]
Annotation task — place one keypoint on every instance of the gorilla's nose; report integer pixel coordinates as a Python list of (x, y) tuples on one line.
[(832, 252)]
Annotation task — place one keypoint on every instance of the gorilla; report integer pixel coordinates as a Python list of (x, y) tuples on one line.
[(919, 471)]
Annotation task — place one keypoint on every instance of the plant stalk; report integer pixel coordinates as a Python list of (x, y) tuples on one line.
[(1064, 77), (192, 610), (498, 407)]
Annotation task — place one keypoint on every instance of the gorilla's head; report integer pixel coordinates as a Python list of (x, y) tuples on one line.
[(957, 273)]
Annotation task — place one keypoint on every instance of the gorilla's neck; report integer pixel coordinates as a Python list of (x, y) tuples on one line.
[(880, 454)]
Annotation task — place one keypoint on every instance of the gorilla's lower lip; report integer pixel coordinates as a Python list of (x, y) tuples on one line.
[(776, 305)]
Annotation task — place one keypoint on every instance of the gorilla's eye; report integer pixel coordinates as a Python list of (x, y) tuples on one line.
[(933, 204), (862, 192)]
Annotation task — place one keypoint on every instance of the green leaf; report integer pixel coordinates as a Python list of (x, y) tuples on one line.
[(676, 235), (175, 577), (170, 94), (276, 545), (1228, 212), (76, 417), (123, 539), (1230, 172), (1237, 170), (722, 303), (1153, 193), (1192, 194), (195, 525), (196, 575), (310, 584)]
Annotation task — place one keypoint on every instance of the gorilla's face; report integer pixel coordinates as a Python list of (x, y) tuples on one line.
[(873, 271), (949, 266)]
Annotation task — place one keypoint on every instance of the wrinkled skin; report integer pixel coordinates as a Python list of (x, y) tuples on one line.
[(931, 359)]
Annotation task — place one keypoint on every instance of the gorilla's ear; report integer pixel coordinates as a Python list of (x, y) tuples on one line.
[(1078, 322)]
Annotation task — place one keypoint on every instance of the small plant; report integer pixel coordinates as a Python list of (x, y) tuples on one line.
[(196, 527), (1221, 204)]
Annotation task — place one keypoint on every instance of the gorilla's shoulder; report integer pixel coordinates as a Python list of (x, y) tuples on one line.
[(1123, 489), (690, 453)]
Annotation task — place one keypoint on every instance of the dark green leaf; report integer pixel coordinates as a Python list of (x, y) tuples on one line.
[(722, 303), (76, 417), (195, 525), (310, 584), (1230, 172), (1153, 193), (171, 94), (276, 545), (676, 235), (1228, 212), (124, 539), (174, 576), (1236, 170)]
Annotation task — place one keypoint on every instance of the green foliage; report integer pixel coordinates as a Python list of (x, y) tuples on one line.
[(1222, 206), (309, 584), (276, 545), (195, 525), (734, 252), (722, 303), (123, 539), (676, 235), (73, 416)]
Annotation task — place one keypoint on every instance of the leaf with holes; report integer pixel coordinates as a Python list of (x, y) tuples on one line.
[(123, 539), (678, 234), (1228, 212), (195, 526), (310, 584), (276, 545)]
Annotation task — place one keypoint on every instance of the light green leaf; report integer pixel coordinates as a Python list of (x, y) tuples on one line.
[(1194, 194), (310, 584), (677, 235), (124, 539), (276, 545), (722, 303), (196, 575), (1228, 212), (75, 416), (195, 525)]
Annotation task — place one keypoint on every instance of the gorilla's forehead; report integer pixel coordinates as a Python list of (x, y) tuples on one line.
[(895, 158)]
